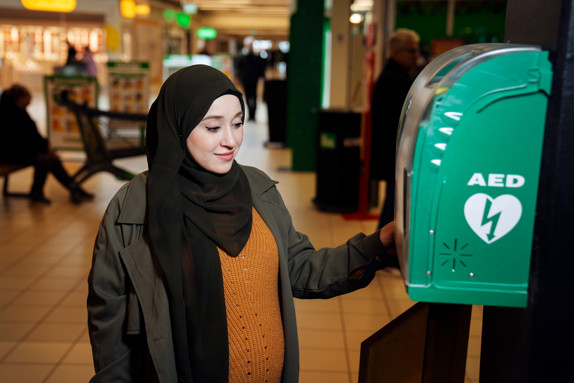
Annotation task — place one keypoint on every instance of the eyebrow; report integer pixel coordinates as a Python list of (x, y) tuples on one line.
[(216, 117)]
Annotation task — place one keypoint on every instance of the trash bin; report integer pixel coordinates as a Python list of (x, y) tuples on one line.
[(338, 160), (275, 95)]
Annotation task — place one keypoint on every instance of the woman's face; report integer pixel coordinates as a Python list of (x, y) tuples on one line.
[(215, 141)]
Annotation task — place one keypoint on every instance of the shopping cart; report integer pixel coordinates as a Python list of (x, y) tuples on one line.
[(106, 136)]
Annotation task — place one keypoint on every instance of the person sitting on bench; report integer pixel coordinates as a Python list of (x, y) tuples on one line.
[(21, 143)]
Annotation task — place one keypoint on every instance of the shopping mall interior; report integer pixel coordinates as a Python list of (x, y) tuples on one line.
[(326, 62)]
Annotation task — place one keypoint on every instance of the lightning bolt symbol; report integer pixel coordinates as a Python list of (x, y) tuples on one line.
[(493, 220)]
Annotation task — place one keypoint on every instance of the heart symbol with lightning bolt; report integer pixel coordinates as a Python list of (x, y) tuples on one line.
[(492, 218)]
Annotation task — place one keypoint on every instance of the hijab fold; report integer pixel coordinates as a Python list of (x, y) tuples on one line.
[(191, 212)]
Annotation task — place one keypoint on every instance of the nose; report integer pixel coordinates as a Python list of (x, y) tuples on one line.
[(228, 139)]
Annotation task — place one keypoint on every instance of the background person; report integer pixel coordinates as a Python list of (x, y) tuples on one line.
[(389, 93), (71, 58), (90, 67), (21, 143), (197, 262), (251, 68)]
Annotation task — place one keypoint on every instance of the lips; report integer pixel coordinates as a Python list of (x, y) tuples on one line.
[(226, 156)]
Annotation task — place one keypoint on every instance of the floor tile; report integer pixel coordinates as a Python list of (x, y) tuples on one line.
[(54, 284), (364, 306), (474, 345), (15, 313), (369, 292), (53, 332), (330, 339), (81, 353), (318, 305), (323, 360), (76, 299), (473, 369), (324, 377), (68, 315), (7, 297), (365, 322), (319, 321), (354, 338), (355, 359), (15, 330), (37, 352), (5, 347), (29, 373), (9, 283), (71, 374), (39, 298)]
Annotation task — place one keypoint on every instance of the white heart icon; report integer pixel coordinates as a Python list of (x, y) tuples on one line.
[(491, 219)]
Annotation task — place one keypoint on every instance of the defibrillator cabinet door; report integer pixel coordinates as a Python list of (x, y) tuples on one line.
[(468, 159)]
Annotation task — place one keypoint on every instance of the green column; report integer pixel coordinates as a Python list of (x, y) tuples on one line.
[(304, 82)]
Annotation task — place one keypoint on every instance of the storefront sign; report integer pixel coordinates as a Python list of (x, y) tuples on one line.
[(128, 86), (50, 5)]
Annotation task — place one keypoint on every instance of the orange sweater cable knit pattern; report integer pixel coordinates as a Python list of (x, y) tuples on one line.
[(255, 329)]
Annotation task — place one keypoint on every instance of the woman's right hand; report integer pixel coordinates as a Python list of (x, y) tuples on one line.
[(387, 237)]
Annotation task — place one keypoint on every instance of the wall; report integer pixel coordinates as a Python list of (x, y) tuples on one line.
[(474, 21)]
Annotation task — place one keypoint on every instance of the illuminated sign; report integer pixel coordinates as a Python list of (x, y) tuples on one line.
[(142, 9), (189, 8), (206, 33), (129, 9), (183, 20), (50, 5)]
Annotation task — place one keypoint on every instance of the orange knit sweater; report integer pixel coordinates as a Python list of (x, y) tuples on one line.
[(255, 329)]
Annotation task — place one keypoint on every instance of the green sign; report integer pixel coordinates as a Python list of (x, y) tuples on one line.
[(206, 33), (183, 20), (169, 15)]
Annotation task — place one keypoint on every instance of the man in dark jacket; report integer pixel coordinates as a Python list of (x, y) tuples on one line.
[(251, 68), (389, 93)]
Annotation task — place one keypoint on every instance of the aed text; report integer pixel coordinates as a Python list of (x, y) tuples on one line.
[(497, 180)]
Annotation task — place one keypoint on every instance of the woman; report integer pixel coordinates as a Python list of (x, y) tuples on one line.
[(89, 65), (21, 143), (196, 262)]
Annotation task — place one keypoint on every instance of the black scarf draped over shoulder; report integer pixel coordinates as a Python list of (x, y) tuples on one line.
[(190, 212)]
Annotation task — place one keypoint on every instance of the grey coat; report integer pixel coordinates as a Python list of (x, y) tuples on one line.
[(128, 312)]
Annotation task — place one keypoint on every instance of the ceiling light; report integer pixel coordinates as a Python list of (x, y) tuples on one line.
[(356, 18)]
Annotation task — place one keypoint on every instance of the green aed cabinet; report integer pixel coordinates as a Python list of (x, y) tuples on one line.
[(468, 159)]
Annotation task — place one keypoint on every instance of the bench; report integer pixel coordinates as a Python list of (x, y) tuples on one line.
[(106, 136), (5, 170)]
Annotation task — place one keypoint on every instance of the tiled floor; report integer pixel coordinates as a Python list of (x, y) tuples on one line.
[(45, 255)]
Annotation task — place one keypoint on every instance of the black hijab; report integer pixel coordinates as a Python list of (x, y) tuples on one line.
[(190, 212)]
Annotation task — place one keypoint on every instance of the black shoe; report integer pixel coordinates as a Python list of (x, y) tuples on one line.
[(39, 199), (79, 195), (85, 195)]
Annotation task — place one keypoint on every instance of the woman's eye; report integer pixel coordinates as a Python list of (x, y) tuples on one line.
[(212, 128), (238, 124)]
